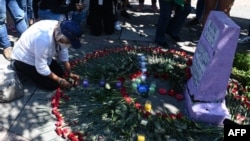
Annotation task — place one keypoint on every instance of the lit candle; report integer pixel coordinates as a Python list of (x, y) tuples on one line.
[(134, 85), (142, 88), (148, 106), (143, 78), (151, 90), (102, 83), (143, 70), (118, 84), (153, 85), (143, 64), (85, 83), (140, 138), (138, 80), (143, 58), (140, 56)]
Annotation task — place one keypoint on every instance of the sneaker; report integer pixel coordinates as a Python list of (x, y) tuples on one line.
[(154, 8), (140, 8), (7, 52), (117, 25), (244, 40)]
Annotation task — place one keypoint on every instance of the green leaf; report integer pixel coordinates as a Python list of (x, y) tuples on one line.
[(118, 112)]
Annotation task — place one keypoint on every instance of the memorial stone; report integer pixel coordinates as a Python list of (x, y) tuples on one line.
[(211, 68)]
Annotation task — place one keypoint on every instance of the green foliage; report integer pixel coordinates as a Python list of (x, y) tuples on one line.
[(98, 110), (241, 67), (242, 76), (242, 61)]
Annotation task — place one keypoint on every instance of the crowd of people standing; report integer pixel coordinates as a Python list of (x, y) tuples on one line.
[(102, 15)]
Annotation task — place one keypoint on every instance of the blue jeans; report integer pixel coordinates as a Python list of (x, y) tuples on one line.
[(48, 15), (18, 17), (169, 25), (23, 5), (78, 17), (29, 10), (26, 6)]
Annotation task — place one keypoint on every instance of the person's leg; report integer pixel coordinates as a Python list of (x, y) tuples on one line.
[(79, 17), (141, 6), (163, 22), (4, 39), (10, 23), (208, 6), (178, 20), (249, 30), (225, 5), (48, 15), (198, 13), (124, 12), (117, 24), (41, 81), (154, 6), (108, 17), (23, 5), (199, 9), (30, 15), (18, 15), (95, 18)]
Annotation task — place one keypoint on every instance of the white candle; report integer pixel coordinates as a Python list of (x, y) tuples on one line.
[(143, 78), (143, 70)]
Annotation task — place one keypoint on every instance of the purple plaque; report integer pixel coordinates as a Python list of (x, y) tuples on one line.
[(211, 69), (213, 58)]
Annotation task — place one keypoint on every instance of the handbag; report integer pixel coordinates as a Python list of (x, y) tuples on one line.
[(10, 86)]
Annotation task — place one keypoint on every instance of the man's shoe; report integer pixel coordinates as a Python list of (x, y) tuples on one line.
[(7, 53), (140, 8), (154, 8), (244, 40)]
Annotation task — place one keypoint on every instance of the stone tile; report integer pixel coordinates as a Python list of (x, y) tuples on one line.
[(3, 61), (138, 34), (36, 121), (10, 111), (14, 137), (3, 132)]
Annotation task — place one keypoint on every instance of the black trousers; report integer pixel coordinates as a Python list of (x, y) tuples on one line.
[(43, 82), (101, 17)]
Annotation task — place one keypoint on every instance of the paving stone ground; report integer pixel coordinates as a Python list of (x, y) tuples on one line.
[(29, 118)]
